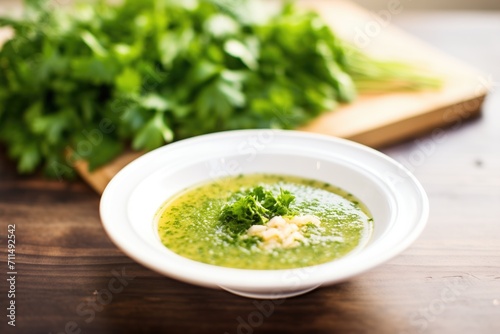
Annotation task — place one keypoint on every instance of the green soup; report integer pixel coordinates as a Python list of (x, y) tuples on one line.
[(189, 224)]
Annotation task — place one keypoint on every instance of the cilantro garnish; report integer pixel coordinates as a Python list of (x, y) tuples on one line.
[(255, 206)]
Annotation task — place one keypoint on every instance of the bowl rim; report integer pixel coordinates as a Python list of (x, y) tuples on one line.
[(187, 270)]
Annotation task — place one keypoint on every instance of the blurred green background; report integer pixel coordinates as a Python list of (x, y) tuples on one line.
[(380, 4)]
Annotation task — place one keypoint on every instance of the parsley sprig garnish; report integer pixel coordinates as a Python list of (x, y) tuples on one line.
[(255, 206)]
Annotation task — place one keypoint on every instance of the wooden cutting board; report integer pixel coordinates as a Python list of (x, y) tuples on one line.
[(380, 120), (375, 120)]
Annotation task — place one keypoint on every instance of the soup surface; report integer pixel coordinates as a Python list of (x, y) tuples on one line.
[(263, 221)]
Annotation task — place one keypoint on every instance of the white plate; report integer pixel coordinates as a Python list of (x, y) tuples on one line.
[(396, 200)]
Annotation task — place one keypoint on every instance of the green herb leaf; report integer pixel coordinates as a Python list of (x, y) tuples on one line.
[(255, 206), (159, 71)]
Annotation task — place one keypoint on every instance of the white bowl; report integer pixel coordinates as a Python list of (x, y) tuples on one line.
[(396, 200)]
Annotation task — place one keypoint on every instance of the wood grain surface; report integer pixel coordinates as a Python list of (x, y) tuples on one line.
[(448, 281)]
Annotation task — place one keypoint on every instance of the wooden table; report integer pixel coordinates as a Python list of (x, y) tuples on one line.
[(446, 282)]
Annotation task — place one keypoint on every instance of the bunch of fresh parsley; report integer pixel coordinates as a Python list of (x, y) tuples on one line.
[(88, 80)]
